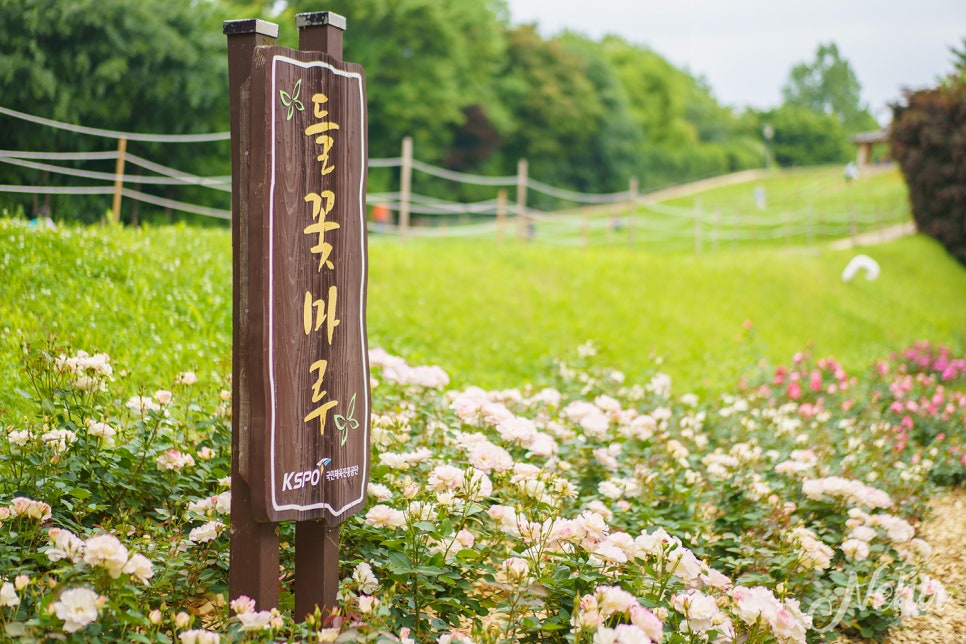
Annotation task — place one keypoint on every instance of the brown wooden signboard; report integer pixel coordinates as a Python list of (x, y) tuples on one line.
[(300, 394), (308, 459)]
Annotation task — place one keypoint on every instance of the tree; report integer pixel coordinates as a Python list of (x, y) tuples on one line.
[(426, 62), (959, 63), (806, 137), (928, 140), (150, 66), (555, 108), (614, 151), (829, 85), (657, 90)]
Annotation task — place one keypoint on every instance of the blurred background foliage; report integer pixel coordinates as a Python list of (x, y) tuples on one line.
[(475, 92)]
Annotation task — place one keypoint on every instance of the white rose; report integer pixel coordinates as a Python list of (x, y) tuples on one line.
[(77, 607)]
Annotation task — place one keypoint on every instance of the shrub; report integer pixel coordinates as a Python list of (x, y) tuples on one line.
[(928, 140), (595, 510)]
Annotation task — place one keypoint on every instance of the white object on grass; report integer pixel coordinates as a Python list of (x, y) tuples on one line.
[(858, 263)]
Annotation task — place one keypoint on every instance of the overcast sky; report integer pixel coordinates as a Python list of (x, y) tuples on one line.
[(745, 48)]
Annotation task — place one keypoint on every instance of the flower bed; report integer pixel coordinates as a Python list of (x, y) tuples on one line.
[(588, 509)]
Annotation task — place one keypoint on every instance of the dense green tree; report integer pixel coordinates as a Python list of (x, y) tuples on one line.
[(805, 137), (426, 62), (828, 85), (614, 149), (152, 66), (556, 110), (657, 90)]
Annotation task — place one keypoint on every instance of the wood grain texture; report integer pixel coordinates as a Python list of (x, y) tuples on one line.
[(309, 154)]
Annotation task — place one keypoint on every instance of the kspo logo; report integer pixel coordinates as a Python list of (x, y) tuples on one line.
[(310, 478)]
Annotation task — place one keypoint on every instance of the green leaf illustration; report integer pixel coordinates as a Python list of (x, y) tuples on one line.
[(291, 101), (347, 422)]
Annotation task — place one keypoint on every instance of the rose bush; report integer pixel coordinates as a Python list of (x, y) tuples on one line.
[(587, 509)]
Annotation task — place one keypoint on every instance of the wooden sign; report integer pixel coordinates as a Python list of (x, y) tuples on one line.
[(308, 453)]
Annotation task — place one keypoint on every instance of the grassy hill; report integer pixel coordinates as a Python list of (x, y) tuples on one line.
[(158, 300), (494, 316)]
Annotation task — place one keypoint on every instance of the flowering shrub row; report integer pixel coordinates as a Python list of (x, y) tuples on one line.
[(587, 510)]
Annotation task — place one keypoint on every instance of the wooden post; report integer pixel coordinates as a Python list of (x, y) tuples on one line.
[(254, 545), (811, 225), (321, 31), (717, 228), (632, 210), (500, 215), (316, 543), (118, 179), (697, 228), (754, 229), (405, 186), (522, 221)]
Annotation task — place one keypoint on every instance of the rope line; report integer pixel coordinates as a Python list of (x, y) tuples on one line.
[(656, 222), (462, 177), (215, 184), (385, 163), (60, 156), (581, 197), (59, 190), (218, 182), (113, 134), (176, 205)]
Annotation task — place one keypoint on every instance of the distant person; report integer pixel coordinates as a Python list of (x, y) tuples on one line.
[(380, 212), (760, 197), (851, 171)]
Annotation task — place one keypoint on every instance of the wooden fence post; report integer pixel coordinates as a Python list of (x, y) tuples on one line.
[(754, 229), (632, 190), (810, 225), (500, 215), (697, 228), (717, 228), (118, 179), (523, 222), (405, 186), (254, 545)]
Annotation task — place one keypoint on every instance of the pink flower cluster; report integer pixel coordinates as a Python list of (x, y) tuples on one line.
[(609, 602), (100, 551), (395, 369), (924, 357), (852, 492), (758, 605)]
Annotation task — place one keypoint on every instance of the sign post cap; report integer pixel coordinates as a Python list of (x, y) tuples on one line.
[(250, 26), (320, 19)]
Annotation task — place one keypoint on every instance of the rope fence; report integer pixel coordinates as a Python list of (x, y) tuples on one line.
[(625, 217)]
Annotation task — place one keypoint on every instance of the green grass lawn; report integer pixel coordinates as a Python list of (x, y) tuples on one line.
[(158, 300), (493, 316)]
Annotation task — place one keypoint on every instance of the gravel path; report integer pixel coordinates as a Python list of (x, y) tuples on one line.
[(945, 530), (877, 237)]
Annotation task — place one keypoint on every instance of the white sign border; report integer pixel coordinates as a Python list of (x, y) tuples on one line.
[(273, 399)]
